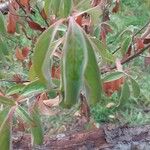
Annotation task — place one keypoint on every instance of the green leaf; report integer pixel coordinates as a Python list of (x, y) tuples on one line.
[(15, 89), (32, 73), (113, 76), (55, 6), (5, 131), (125, 94), (2, 24), (135, 88), (25, 115), (125, 45), (3, 46), (7, 101), (3, 114), (67, 4), (37, 132), (42, 52), (92, 76), (100, 48), (33, 88), (47, 6), (74, 62)]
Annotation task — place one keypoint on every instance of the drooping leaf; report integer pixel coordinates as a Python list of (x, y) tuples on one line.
[(42, 52), (125, 94), (25, 115), (36, 131), (74, 62), (33, 88), (55, 5), (7, 101), (5, 130), (67, 7), (35, 26), (113, 76), (92, 76), (135, 88), (125, 45), (101, 49)]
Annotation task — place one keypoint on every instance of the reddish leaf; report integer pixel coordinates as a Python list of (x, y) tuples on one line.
[(79, 20), (95, 2), (19, 54), (35, 26), (12, 18), (146, 40), (103, 35), (139, 44), (24, 2), (55, 72), (112, 86), (25, 51), (43, 14), (17, 78), (117, 6)]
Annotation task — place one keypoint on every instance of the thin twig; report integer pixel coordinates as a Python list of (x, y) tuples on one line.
[(128, 59), (13, 81), (141, 29)]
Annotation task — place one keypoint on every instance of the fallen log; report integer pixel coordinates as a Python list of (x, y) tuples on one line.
[(105, 138)]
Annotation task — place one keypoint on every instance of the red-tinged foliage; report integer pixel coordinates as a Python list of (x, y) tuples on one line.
[(19, 55), (117, 6), (113, 86), (79, 20), (25, 51), (55, 72), (12, 17), (139, 44), (43, 14), (95, 2), (35, 26), (11, 25), (24, 2), (17, 78)]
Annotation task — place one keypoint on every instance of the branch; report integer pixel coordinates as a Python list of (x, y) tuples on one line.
[(13, 81), (127, 60)]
